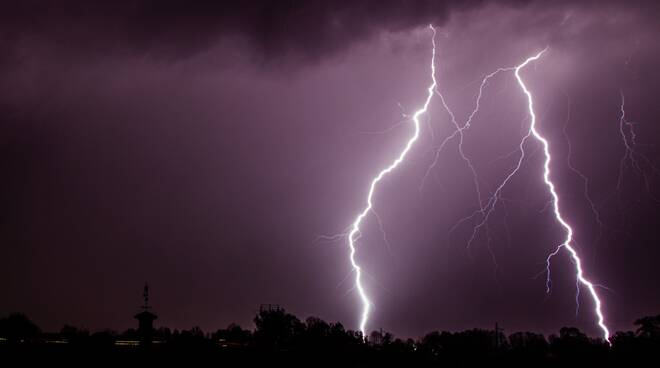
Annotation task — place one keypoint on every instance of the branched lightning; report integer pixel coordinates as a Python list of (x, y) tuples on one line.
[(354, 233), (485, 209), (631, 155), (628, 142), (459, 131), (555, 199)]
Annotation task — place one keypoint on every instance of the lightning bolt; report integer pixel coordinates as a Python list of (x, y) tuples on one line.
[(629, 143), (459, 132), (631, 155), (354, 233), (486, 210), (555, 202)]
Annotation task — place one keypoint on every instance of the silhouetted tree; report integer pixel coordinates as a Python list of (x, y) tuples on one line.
[(648, 327), (624, 343), (380, 338), (18, 328), (399, 346), (342, 339), (163, 334), (232, 336), (277, 329), (317, 334), (431, 345), (316, 327), (129, 334), (573, 345), (282, 339), (528, 345), (74, 334), (190, 338), (105, 338)]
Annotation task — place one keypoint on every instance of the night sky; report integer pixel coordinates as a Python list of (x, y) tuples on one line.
[(204, 148)]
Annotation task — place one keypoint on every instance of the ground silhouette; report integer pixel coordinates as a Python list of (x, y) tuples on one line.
[(280, 338)]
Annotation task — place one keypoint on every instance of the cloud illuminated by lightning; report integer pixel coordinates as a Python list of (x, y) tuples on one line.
[(354, 233)]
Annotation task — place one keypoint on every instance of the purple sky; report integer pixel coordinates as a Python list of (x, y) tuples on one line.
[(205, 148)]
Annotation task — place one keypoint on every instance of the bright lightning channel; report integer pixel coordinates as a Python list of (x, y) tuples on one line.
[(486, 210), (354, 233), (555, 202)]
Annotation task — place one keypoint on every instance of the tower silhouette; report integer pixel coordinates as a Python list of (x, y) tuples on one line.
[(145, 319)]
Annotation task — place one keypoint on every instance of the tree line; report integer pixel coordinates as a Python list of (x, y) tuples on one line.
[(281, 337)]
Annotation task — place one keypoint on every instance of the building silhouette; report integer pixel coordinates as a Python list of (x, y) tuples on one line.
[(145, 319)]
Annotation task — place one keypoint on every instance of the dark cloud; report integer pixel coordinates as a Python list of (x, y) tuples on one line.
[(176, 29), (275, 30)]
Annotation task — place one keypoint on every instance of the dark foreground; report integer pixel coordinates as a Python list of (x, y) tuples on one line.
[(281, 339)]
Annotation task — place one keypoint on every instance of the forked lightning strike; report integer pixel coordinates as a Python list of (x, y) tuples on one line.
[(354, 233), (555, 202), (484, 210)]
